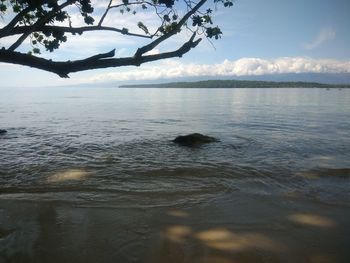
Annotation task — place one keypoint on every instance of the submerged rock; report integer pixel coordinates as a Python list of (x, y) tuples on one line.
[(326, 172), (2, 131), (194, 139)]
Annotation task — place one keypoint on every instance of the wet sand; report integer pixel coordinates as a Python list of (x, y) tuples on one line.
[(233, 227)]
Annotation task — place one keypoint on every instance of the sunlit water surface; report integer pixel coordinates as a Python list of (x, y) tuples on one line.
[(110, 146)]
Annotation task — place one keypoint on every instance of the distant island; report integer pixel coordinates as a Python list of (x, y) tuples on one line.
[(238, 84)]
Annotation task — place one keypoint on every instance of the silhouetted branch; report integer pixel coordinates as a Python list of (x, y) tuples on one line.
[(48, 23), (72, 30), (40, 23), (174, 31), (99, 61)]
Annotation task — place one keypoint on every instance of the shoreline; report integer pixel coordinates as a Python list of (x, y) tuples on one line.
[(233, 227), (234, 84)]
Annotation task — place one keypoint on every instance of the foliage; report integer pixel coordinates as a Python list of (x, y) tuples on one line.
[(48, 23)]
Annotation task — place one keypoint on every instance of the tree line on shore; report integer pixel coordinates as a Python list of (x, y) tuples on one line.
[(238, 84)]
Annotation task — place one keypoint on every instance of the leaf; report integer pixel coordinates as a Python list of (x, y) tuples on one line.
[(36, 50), (167, 3), (143, 27), (89, 20), (213, 32)]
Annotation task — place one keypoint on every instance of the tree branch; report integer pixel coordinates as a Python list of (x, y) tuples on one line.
[(105, 13), (72, 30), (133, 3), (159, 40), (40, 23), (99, 61), (10, 26)]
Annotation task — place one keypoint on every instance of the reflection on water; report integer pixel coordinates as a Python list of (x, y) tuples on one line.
[(241, 229), (177, 213), (68, 175), (226, 240), (331, 173), (177, 233), (312, 220), (206, 235)]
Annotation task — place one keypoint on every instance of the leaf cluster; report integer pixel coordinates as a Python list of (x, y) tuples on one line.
[(46, 12), (46, 24)]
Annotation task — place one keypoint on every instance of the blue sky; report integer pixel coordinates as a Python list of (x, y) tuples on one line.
[(260, 37), (278, 28)]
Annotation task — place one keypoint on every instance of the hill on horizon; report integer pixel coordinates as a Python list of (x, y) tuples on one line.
[(234, 83)]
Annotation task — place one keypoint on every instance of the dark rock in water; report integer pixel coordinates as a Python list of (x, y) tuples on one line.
[(194, 139), (2, 131)]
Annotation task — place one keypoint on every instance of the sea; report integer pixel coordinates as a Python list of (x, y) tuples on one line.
[(113, 147)]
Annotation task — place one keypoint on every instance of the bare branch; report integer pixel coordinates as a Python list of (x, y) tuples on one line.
[(73, 30), (133, 3), (109, 54), (105, 13), (99, 61)]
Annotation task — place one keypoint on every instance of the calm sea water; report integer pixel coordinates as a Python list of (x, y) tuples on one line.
[(111, 146)]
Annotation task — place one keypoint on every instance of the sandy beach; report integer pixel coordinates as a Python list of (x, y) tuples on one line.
[(230, 228)]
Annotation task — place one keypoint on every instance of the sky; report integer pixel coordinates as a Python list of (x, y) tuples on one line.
[(259, 38)]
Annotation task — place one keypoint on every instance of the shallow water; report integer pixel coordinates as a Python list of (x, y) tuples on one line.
[(112, 147), (92, 175)]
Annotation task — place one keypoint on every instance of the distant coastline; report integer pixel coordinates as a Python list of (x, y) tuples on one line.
[(238, 84)]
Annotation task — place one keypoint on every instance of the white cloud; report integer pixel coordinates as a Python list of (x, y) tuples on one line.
[(325, 34), (173, 68)]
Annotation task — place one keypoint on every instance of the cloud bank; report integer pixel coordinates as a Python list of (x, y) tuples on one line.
[(173, 68)]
